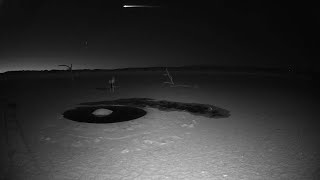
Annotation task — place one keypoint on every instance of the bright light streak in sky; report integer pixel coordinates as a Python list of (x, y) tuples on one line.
[(139, 6)]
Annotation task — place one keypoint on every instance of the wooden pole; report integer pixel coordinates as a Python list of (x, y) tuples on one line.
[(69, 68)]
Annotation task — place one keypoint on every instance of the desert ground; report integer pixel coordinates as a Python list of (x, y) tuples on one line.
[(272, 131)]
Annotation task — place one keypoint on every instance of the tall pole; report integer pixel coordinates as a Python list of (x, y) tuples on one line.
[(71, 72)]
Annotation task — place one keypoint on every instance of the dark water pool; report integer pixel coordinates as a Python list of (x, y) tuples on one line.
[(119, 114), (132, 108)]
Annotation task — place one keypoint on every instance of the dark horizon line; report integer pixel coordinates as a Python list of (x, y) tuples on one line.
[(187, 67)]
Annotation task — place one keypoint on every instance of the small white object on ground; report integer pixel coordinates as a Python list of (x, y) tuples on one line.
[(101, 112), (125, 151)]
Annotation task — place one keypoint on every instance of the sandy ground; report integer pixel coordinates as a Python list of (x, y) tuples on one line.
[(272, 132)]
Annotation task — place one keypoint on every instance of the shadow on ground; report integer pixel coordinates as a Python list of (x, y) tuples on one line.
[(206, 110)]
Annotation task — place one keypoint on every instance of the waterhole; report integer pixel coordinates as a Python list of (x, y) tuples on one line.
[(119, 114)]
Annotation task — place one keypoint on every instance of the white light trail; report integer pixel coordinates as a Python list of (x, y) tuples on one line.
[(139, 6)]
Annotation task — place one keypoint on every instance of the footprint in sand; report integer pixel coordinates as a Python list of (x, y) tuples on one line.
[(188, 125), (77, 144), (97, 140), (169, 139), (163, 140)]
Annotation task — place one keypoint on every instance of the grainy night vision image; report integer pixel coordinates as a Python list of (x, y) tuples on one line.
[(158, 89)]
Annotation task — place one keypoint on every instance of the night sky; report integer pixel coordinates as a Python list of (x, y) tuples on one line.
[(94, 34)]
